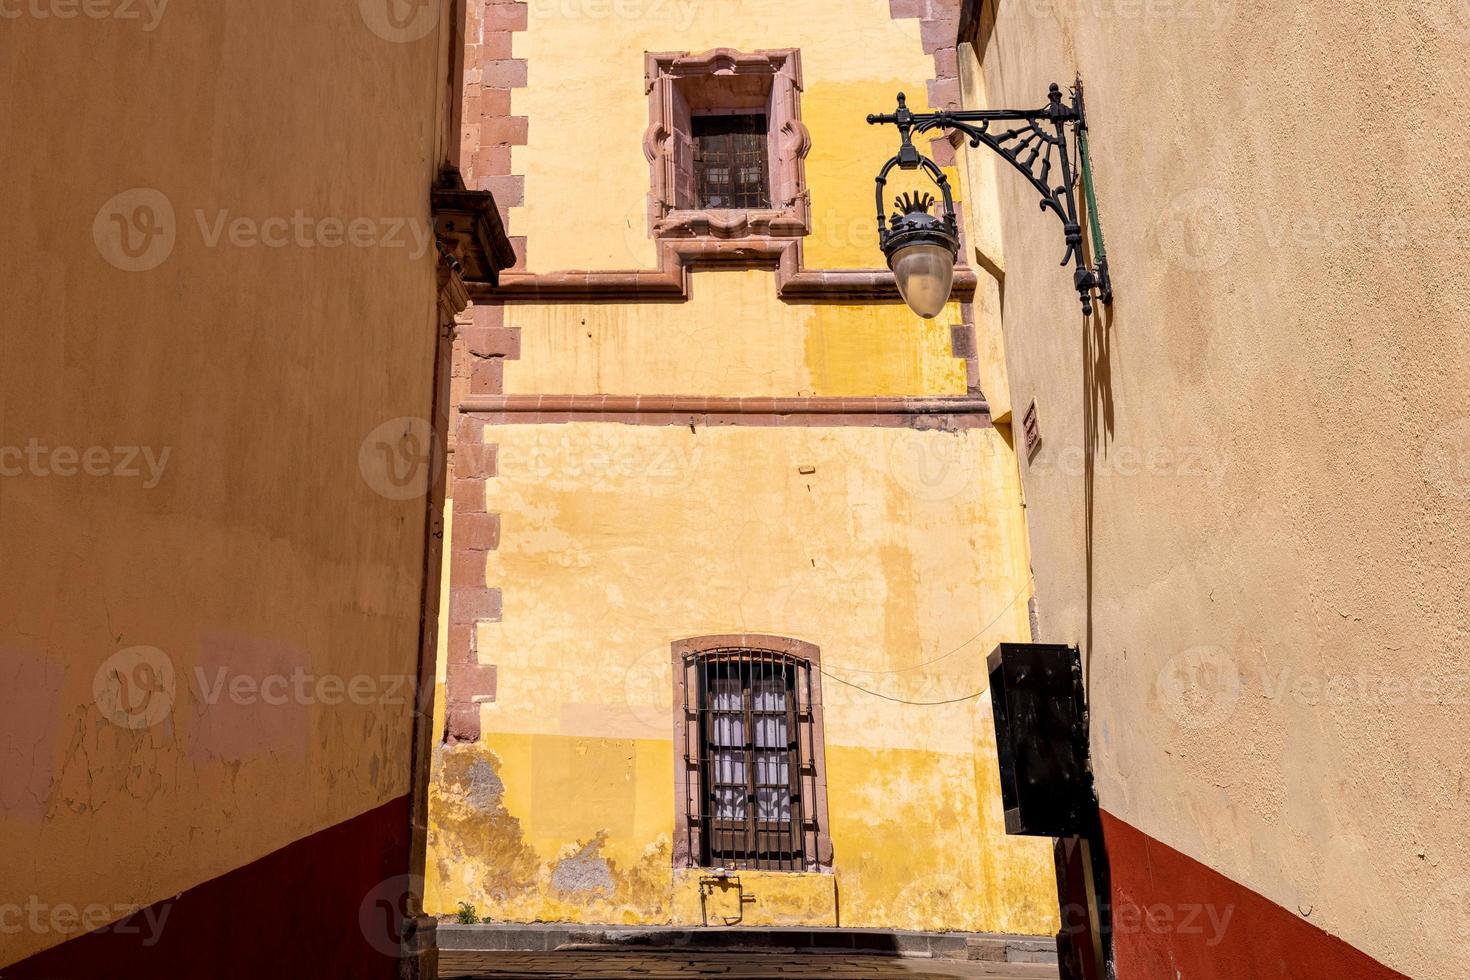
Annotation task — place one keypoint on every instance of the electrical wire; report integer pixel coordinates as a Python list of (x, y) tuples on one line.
[(944, 656), (889, 697), (898, 700)]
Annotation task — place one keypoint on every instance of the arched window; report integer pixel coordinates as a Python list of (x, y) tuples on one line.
[(751, 787)]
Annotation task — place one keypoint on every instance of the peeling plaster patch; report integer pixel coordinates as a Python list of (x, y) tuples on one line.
[(586, 872), (647, 884), (472, 827), (483, 788)]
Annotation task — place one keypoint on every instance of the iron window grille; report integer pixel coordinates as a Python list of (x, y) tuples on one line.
[(753, 794), (731, 162)]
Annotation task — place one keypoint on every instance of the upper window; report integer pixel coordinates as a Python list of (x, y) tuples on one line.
[(726, 145), (731, 169), (753, 793)]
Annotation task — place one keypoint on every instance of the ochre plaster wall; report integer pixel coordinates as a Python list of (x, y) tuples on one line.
[(855, 57), (625, 538), (254, 375), (1267, 564), (734, 337), (901, 554)]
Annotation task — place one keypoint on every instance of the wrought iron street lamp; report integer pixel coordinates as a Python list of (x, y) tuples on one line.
[(922, 248)]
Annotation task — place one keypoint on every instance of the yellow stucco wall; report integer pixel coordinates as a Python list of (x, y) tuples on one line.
[(733, 337), (1275, 505), (855, 58), (620, 539), (902, 555)]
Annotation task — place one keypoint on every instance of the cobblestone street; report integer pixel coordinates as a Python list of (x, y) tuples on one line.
[(614, 965)]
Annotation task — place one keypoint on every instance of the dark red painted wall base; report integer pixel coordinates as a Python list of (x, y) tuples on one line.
[(328, 906), (1174, 917)]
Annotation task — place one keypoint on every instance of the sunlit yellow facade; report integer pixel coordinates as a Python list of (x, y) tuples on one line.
[(897, 550)]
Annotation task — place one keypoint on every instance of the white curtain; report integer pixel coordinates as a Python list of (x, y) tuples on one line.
[(728, 763), (772, 756)]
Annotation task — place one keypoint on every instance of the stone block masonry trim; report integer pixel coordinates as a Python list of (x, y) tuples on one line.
[(482, 345), (942, 412), (491, 74), (939, 27)]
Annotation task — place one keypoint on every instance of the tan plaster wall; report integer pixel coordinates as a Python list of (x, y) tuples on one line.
[(260, 371), (1275, 417)]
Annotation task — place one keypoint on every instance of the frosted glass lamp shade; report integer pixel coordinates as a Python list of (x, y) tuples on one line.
[(925, 273)]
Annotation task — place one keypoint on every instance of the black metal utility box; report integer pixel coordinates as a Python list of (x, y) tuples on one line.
[(1040, 709)]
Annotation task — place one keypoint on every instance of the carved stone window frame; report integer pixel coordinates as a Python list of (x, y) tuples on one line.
[(768, 81)]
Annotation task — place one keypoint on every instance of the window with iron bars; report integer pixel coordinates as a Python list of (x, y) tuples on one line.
[(731, 167), (754, 792)]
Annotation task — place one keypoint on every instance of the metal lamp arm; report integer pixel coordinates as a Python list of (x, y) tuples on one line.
[(1031, 138), (1027, 148)]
